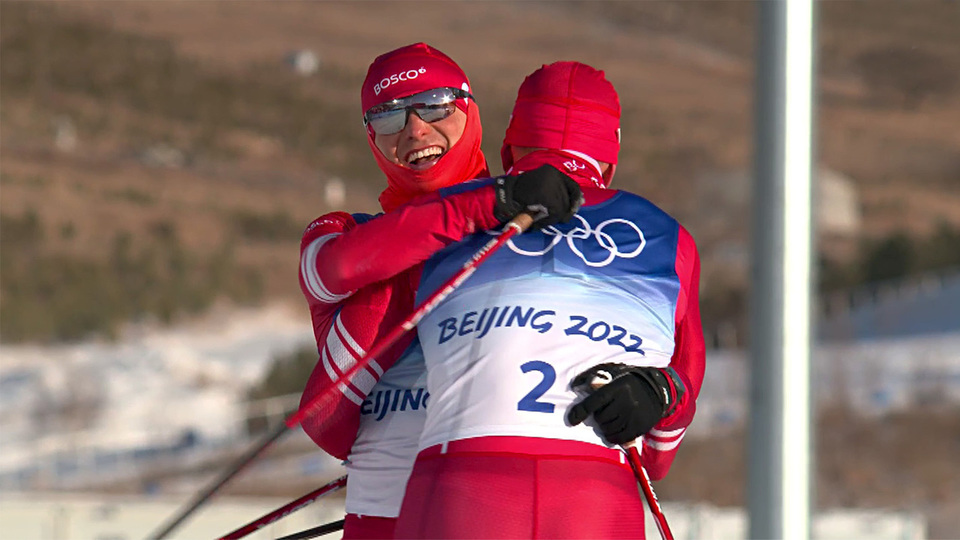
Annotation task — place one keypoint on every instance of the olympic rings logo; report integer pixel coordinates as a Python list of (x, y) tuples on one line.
[(583, 233)]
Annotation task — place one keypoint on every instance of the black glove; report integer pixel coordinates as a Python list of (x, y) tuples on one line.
[(631, 402), (544, 190)]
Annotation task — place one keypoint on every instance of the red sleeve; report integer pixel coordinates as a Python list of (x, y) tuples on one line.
[(689, 356), (344, 335), (334, 265), (327, 227), (345, 327), (359, 280)]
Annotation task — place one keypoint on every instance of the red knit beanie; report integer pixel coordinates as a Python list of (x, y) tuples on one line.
[(566, 106)]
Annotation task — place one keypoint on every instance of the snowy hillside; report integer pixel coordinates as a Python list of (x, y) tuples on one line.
[(152, 387)]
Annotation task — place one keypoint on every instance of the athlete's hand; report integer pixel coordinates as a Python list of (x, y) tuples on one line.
[(542, 190), (630, 404)]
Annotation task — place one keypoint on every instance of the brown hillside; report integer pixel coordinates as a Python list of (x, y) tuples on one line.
[(206, 82)]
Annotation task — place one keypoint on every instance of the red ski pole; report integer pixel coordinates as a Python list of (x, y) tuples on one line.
[(639, 472), (644, 480), (517, 225), (285, 510)]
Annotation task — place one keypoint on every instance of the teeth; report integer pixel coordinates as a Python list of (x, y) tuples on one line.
[(425, 153)]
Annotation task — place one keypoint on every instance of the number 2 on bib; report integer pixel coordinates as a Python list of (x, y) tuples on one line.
[(529, 402)]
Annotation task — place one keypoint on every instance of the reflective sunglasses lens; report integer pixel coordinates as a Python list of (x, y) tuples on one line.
[(388, 122), (433, 113), (393, 121), (431, 106)]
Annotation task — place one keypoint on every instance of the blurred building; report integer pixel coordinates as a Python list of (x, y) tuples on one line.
[(92, 516), (725, 242), (84, 516), (881, 349)]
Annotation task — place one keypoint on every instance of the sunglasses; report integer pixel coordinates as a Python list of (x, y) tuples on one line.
[(391, 116)]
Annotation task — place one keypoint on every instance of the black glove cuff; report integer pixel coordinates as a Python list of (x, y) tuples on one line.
[(667, 385), (505, 208)]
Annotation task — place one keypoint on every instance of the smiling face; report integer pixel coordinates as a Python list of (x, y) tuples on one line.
[(420, 145)]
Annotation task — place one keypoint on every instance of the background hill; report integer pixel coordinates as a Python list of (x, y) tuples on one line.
[(174, 143)]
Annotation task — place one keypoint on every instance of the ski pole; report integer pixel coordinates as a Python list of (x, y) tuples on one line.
[(515, 226), (285, 510), (203, 495), (639, 472), (644, 480), (326, 528)]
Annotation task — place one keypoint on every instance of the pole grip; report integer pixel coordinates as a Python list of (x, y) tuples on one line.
[(521, 222)]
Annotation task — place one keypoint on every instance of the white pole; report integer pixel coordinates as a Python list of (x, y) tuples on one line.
[(780, 464)]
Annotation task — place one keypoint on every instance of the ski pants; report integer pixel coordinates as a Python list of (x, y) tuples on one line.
[(521, 487), (356, 527)]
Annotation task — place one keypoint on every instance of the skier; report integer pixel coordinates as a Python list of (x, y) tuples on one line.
[(517, 444), (359, 273)]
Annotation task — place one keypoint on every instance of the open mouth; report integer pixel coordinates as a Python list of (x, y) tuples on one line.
[(424, 158)]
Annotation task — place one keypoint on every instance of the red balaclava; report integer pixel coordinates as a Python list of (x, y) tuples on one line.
[(407, 71), (566, 106)]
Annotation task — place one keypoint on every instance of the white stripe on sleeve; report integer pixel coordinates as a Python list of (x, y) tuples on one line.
[(351, 395), (339, 354), (663, 446), (308, 269), (352, 343), (667, 434)]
